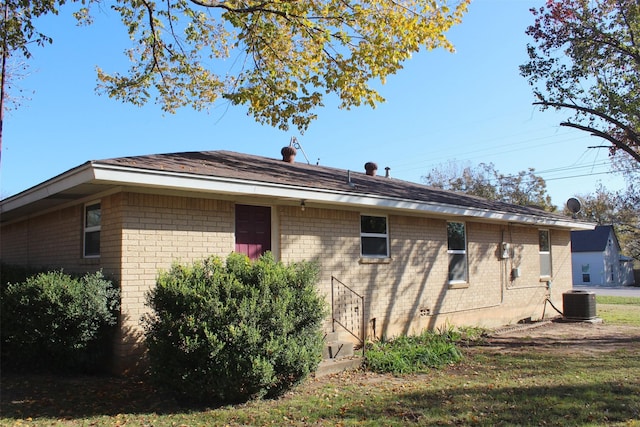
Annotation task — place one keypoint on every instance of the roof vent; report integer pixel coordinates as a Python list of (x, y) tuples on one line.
[(386, 172), (288, 154), (371, 168)]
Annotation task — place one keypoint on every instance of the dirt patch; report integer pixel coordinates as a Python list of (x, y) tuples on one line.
[(566, 337)]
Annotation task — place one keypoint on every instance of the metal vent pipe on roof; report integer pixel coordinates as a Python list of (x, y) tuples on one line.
[(387, 174), (351, 184)]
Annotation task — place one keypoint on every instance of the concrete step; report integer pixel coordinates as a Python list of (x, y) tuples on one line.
[(333, 366), (332, 336), (337, 350)]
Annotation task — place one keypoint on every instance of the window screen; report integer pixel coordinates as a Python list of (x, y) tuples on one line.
[(457, 250), (374, 238), (545, 253), (92, 221)]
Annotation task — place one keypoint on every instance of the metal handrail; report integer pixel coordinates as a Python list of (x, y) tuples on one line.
[(341, 322)]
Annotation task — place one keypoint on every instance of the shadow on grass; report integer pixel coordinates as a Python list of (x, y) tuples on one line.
[(595, 404), (504, 381), (59, 397)]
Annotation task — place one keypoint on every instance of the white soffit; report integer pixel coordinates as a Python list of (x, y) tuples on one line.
[(66, 181)]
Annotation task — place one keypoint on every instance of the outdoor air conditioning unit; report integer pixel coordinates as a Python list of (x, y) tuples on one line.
[(579, 305)]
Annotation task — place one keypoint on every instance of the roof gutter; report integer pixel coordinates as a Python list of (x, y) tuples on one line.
[(119, 175), (213, 184)]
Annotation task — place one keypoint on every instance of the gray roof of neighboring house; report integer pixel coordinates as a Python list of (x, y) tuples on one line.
[(243, 174), (592, 240)]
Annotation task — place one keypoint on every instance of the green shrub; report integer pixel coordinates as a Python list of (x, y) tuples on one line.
[(55, 322), (411, 354), (234, 331)]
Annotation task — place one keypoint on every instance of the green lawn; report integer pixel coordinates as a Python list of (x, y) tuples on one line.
[(618, 310), (602, 299), (490, 387)]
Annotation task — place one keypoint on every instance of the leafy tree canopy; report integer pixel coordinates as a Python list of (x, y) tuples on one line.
[(524, 188), (585, 59), (279, 58)]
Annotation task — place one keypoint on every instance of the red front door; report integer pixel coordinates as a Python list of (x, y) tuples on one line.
[(253, 230)]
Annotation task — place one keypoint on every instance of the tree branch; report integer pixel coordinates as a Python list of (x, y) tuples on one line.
[(630, 28), (595, 132), (224, 5), (173, 32), (262, 7), (605, 40), (630, 131), (156, 42)]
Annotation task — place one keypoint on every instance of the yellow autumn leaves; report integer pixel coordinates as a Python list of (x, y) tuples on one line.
[(278, 58)]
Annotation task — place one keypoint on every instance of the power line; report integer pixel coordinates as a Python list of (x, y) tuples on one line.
[(579, 176), (566, 169), (435, 161)]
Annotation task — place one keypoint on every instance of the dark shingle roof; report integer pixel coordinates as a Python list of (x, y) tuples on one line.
[(591, 240), (239, 166)]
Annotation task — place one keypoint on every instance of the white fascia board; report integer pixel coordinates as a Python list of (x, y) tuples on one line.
[(212, 184), (494, 216), (80, 175)]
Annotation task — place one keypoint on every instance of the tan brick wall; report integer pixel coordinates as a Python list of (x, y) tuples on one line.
[(14, 243), (562, 280), (111, 235), (156, 232), (410, 291), (140, 234), (51, 240), (144, 233)]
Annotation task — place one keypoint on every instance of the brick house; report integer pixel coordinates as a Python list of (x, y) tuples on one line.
[(418, 257)]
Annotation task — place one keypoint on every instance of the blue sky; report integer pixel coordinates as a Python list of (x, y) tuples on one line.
[(470, 107)]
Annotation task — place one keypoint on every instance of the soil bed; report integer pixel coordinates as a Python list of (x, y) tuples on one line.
[(563, 337)]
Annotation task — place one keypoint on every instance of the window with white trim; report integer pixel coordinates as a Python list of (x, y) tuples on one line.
[(374, 237), (91, 240), (457, 250), (586, 273), (545, 253)]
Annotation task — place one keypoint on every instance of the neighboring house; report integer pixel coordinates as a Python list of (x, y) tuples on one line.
[(419, 257), (596, 258)]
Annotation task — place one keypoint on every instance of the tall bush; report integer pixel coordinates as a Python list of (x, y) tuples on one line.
[(53, 321), (236, 330)]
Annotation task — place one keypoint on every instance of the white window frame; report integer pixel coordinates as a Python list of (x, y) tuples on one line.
[(90, 229), (546, 254), (458, 252), (586, 273), (377, 235)]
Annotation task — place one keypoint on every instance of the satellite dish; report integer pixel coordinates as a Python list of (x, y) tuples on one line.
[(573, 205)]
